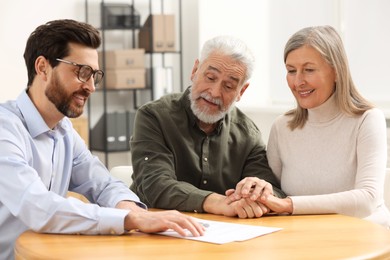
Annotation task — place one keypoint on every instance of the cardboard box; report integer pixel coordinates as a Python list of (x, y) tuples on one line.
[(169, 32), (123, 59), (158, 33), (80, 124), (125, 78)]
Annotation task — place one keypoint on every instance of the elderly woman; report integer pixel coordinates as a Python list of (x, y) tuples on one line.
[(330, 151)]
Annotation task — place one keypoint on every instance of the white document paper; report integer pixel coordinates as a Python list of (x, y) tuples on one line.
[(222, 232)]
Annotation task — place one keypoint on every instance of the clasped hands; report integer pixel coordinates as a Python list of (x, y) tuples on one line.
[(254, 197)]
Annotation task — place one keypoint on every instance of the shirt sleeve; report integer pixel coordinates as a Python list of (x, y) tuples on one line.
[(55, 214), (26, 199), (92, 179)]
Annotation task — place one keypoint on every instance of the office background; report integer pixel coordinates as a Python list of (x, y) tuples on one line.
[(264, 24)]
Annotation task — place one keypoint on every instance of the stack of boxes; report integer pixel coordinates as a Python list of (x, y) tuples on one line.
[(158, 35), (124, 69)]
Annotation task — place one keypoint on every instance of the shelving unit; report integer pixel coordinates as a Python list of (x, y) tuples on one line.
[(111, 110)]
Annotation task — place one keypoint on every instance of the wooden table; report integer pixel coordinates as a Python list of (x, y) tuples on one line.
[(302, 237)]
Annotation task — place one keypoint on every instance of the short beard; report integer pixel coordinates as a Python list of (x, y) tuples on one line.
[(56, 93), (203, 113)]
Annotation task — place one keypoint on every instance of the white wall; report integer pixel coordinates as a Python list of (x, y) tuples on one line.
[(264, 24), (18, 18), (248, 20), (366, 29)]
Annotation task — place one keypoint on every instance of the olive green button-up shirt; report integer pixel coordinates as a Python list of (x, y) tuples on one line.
[(176, 165)]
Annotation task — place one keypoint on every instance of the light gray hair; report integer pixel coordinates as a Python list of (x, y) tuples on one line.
[(232, 47)]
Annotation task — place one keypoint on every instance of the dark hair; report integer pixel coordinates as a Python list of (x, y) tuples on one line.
[(51, 41)]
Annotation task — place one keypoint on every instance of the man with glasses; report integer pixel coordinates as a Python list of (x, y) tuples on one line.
[(42, 157)]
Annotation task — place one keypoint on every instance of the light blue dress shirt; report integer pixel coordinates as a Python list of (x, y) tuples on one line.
[(38, 166)]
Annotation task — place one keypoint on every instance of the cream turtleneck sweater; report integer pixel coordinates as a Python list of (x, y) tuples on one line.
[(334, 164)]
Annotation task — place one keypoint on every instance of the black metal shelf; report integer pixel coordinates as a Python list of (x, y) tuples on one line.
[(123, 89), (133, 93), (118, 28)]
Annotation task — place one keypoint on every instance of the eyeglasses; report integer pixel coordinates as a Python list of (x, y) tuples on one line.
[(85, 72)]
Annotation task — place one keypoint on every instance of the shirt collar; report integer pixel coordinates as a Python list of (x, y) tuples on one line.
[(34, 121)]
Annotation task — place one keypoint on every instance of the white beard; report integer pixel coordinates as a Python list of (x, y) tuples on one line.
[(203, 113)]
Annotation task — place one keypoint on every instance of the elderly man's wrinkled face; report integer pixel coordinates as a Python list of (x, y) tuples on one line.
[(217, 84)]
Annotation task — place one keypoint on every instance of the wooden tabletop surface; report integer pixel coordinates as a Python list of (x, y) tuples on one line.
[(302, 237)]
